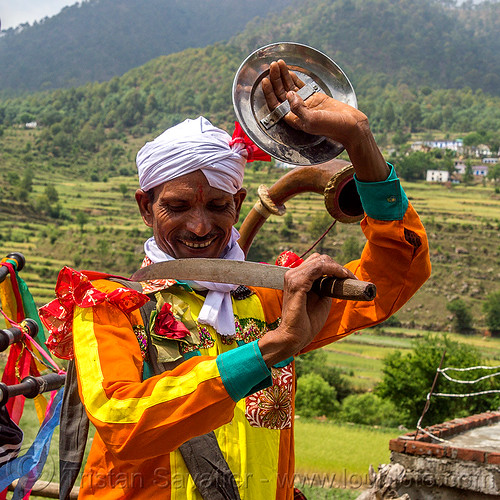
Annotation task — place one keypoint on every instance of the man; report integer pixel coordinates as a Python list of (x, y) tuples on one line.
[(228, 353)]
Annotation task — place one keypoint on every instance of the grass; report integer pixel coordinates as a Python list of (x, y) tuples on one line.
[(361, 372), (340, 450), (319, 493)]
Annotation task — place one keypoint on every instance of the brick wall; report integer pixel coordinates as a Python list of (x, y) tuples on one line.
[(420, 444)]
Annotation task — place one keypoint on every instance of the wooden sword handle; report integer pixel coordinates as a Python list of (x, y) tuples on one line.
[(347, 289)]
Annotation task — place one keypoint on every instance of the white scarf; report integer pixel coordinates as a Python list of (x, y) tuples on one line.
[(217, 310)]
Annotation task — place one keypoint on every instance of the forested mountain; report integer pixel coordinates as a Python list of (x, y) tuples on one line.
[(430, 43), (417, 42), (98, 39), (83, 125)]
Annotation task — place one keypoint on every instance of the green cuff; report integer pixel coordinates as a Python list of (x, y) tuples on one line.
[(383, 200), (243, 371)]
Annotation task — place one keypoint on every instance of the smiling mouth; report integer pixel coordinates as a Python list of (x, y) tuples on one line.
[(202, 244)]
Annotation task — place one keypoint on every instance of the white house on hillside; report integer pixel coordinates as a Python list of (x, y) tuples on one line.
[(437, 176), (456, 146), (480, 170), (481, 150)]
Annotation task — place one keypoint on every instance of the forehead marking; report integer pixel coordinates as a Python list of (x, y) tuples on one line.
[(199, 194)]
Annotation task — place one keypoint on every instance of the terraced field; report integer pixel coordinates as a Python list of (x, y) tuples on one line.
[(360, 356), (98, 227)]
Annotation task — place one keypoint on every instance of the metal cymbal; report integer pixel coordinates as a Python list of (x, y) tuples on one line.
[(268, 130)]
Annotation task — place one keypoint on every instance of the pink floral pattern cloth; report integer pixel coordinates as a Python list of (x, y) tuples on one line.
[(153, 286)]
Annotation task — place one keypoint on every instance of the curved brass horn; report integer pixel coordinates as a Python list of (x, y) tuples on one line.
[(333, 179)]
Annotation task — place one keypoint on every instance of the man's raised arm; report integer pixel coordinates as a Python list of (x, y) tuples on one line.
[(304, 313)]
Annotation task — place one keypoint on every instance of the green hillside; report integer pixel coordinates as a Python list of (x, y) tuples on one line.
[(96, 225), (67, 185), (81, 123), (95, 40)]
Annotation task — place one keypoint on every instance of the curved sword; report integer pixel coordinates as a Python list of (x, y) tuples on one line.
[(247, 273)]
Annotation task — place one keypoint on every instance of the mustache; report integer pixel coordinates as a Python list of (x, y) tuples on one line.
[(193, 238)]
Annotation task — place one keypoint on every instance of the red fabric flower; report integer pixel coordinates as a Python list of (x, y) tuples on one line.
[(74, 288), (288, 259), (167, 326), (254, 152)]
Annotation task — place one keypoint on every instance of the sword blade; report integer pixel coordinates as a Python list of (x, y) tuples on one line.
[(235, 272)]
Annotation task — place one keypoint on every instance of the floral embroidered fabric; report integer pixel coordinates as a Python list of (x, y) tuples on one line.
[(154, 286), (272, 407), (74, 288), (142, 338)]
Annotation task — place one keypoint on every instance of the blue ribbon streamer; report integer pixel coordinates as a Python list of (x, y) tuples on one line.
[(29, 467)]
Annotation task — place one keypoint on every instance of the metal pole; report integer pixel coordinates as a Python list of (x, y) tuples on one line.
[(428, 402)]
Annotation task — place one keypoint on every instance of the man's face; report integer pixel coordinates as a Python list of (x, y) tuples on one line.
[(189, 217)]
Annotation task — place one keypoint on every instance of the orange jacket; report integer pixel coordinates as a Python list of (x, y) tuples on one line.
[(141, 423)]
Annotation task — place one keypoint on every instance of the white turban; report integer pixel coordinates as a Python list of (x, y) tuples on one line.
[(189, 146)]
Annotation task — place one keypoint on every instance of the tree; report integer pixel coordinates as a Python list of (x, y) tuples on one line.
[(316, 362), (315, 397), (26, 118), (369, 409), (123, 190), (413, 116), (389, 116), (491, 308), (351, 249), (494, 173), (287, 229), (81, 219), (473, 139), (400, 138), (51, 194), (87, 139), (468, 176), (27, 181), (407, 379), (462, 317), (414, 166), (446, 161), (320, 222)]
